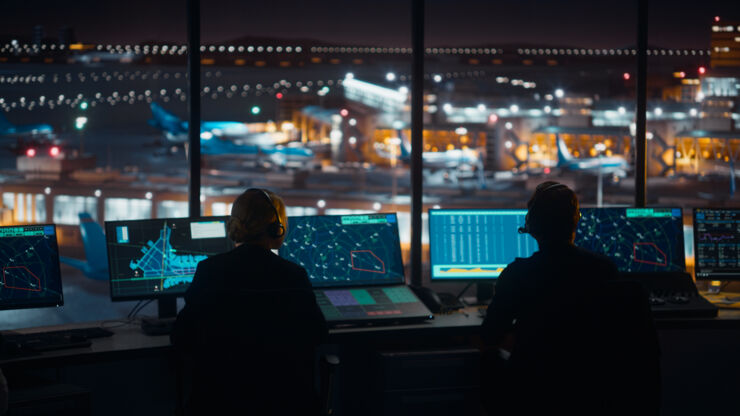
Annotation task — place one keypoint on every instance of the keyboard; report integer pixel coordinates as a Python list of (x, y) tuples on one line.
[(53, 340)]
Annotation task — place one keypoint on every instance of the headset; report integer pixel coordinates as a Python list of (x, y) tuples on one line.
[(538, 194), (275, 229)]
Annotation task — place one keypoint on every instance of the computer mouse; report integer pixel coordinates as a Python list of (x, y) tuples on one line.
[(428, 297)]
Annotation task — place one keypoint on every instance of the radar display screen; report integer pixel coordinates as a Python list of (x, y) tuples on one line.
[(345, 250), (31, 277), (476, 244), (717, 243), (152, 258), (636, 239)]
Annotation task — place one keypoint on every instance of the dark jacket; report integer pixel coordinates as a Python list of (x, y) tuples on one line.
[(562, 357), (249, 330)]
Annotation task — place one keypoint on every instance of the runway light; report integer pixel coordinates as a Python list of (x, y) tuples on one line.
[(97, 193), (621, 110), (508, 125), (353, 140), (377, 206), (80, 122), (47, 190), (693, 112), (83, 105), (344, 112), (31, 152), (352, 122), (548, 109), (437, 78), (321, 203), (390, 76), (508, 144), (148, 195), (559, 93), (658, 111), (702, 70), (514, 108), (54, 151), (255, 110)]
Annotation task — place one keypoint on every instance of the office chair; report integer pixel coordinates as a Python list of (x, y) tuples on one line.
[(269, 349)]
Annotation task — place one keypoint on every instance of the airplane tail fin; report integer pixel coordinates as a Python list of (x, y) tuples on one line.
[(5, 125), (93, 241), (564, 155), (165, 120), (405, 145)]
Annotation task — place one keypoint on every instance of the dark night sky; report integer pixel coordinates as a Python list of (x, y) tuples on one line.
[(585, 23)]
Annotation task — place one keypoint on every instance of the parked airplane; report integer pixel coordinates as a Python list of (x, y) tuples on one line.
[(176, 130), (448, 159), (219, 138), (614, 165), (9, 129), (93, 240)]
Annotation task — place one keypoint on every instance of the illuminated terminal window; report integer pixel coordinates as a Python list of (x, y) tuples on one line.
[(67, 208), (27, 208), (117, 209), (174, 209)]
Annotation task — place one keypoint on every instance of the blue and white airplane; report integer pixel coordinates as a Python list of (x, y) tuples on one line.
[(448, 159), (93, 240), (221, 138), (9, 129), (176, 130), (614, 165)]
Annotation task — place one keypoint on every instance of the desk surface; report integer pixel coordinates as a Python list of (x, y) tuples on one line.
[(129, 341)]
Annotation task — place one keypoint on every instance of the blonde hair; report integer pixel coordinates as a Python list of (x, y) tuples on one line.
[(252, 214)]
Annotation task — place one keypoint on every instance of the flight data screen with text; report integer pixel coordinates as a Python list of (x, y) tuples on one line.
[(149, 258), (636, 239), (476, 244), (29, 257), (345, 250), (717, 243)]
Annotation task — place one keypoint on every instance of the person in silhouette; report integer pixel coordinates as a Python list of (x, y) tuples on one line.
[(250, 323), (546, 328)]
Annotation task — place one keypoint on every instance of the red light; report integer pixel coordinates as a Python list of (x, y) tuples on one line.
[(626, 76), (716, 18), (344, 112), (702, 70), (492, 119), (31, 152), (547, 171), (54, 151), (682, 74), (279, 96)]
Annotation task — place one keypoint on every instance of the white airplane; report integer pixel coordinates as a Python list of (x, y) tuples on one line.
[(614, 165)]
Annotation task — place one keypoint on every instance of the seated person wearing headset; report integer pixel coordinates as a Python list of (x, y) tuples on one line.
[(250, 323), (542, 323)]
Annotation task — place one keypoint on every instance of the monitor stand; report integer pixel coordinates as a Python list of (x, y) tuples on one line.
[(165, 320), (483, 293)]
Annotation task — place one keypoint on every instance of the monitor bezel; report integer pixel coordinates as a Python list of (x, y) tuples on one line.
[(402, 281), (161, 295), (696, 243), (431, 242), (683, 235), (55, 303)]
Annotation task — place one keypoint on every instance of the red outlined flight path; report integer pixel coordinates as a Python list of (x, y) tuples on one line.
[(30, 287), (352, 255), (636, 249)]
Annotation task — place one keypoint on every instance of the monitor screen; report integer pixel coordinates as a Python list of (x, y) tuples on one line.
[(370, 303), (29, 256), (717, 243), (346, 250), (636, 239), (468, 244), (153, 258)]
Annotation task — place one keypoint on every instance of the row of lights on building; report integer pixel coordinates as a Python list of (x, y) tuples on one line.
[(612, 52)]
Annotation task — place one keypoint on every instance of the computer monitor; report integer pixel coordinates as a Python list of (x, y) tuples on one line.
[(717, 243), (157, 258), (31, 277), (638, 240), (346, 250), (476, 244)]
